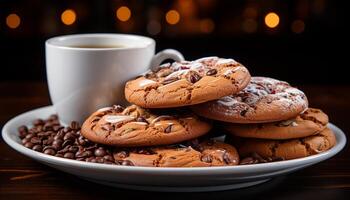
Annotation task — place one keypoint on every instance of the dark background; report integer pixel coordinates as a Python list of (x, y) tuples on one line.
[(234, 29)]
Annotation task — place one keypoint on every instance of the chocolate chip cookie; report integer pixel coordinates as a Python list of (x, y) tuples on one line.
[(187, 83), (287, 149), (263, 100), (206, 154), (135, 126), (310, 122)]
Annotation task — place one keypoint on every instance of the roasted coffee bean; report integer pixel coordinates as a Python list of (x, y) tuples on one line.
[(57, 144), (59, 155), (67, 142), (100, 152), (108, 158), (69, 136), (211, 72), (69, 155), (48, 141), (168, 129), (145, 151), (50, 151), (127, 163), (57, 127), (35, 140), (82, 141), (30, 135), (207, 158), (74, 125), (141, 119), (67, 129), (48, 127), (53, 118), (100, 160), (122, 154), (73, 149), (23, 131), (38, 122), (37, 147), (248, 161), (80, 159), (83, 154), (29, 145), (25, 140)]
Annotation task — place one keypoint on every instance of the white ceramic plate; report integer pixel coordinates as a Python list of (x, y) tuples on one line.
[(164, 179)]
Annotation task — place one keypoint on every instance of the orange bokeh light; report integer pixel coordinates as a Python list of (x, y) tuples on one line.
[(272, 20), (123, 13), (172, 17), (68, 17), (13, 20)]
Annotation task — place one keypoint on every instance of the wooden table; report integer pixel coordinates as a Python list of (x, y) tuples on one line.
[(23, 178)]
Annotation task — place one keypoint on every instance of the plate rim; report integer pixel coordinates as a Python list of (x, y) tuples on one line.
[(6, 132)]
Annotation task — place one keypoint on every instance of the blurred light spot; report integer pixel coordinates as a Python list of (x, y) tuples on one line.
[(172, 17), (123, 13), (206, 25), (153, 27), (249, 25), (272, 20), (298, 26), (318, 6), (250, 12), (13, 20), (68, 17)]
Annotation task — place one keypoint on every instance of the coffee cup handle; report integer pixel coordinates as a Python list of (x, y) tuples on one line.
[(163, 55)]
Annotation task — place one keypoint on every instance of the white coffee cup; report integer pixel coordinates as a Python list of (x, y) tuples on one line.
[(88, 71)]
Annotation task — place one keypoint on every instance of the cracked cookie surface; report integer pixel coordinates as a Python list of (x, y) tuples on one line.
[(187, 83), (310, 122), (287, 149), (134, 126), (205, 154), (263, 100)]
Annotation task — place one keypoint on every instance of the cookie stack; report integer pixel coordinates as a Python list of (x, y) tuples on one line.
[(173, 108)]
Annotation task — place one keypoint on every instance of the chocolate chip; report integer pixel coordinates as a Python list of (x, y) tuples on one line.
[(227, 158), (141, 119), (207, 158), (168, 129), (68, 155), (118, 108), (100, 152), (243, 112), (194, 77), (169, 80), (211, 72), (38, 147), (146, 151), (127, 163)]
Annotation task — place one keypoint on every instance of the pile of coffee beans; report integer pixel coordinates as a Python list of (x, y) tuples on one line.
[(50, 137)]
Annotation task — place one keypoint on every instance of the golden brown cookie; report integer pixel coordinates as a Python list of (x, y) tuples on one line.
[(263, 100), (187, 83), (310, 122), (206, 154), (135, 126), (287, 149)]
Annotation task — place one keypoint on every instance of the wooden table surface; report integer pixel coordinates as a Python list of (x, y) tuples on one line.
[(23, 178)]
